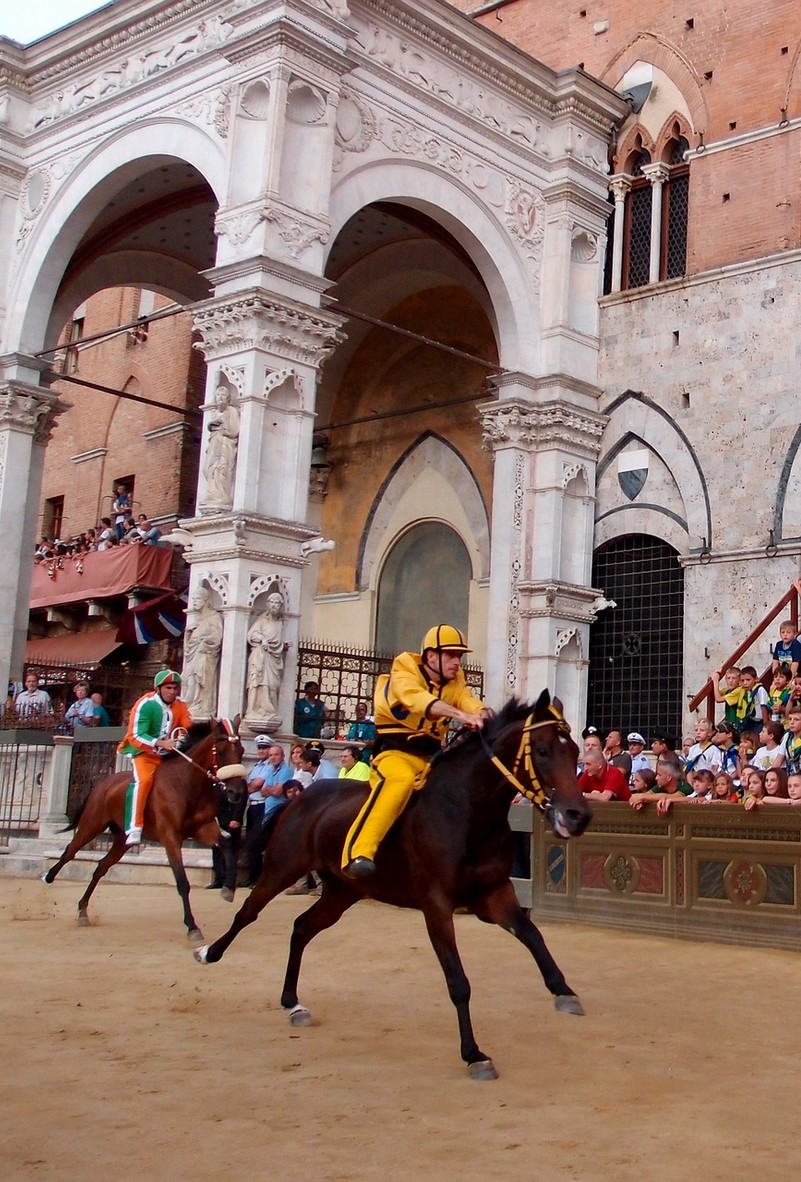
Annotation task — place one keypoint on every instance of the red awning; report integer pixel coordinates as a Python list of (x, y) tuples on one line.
[(79, 648)]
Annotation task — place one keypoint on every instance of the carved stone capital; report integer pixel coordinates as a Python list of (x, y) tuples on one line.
[(31, 409), (656, 173), (620, 186), (541, 426), (256, 320)]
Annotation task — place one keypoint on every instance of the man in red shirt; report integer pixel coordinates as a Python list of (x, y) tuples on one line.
[(601, 780)]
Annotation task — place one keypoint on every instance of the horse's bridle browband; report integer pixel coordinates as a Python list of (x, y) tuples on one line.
[(536, 793)]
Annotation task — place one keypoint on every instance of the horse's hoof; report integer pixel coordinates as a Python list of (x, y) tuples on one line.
[(568, 1003), (201, 955), (82, 921), (46, 877), (482, 1069), (300, 1016), (195, 936), (227, 894)]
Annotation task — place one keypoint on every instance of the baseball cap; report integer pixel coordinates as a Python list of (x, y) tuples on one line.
[(264, 741), (635, 737)]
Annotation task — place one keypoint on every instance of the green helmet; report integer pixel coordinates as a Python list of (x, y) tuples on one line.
[(166, 677), (444, 636)]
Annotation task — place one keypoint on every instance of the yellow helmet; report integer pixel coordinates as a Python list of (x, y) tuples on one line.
[(444, 636)]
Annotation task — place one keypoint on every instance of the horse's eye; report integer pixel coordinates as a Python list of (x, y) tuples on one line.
[(542, 749)]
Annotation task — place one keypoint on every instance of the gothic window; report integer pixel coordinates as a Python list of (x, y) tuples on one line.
[(425, 581), (675, 194), (636, 649), (637, 226)]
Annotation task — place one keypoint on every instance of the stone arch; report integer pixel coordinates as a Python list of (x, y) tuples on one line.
[(458, 501), (471, 222), (650, 47), (635, 141), (673, 128), (70, 212), (634, 415)]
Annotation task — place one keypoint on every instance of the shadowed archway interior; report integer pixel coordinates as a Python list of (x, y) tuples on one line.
[(425, 581)]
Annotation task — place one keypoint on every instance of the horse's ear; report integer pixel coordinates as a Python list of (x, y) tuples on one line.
[(236, 721), (541, 706), (557, 704)]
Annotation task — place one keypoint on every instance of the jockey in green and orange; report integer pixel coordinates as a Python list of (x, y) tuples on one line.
[(152, 720)]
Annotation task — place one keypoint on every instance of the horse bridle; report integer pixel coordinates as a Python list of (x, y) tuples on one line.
[(524, 758), (215, 773)]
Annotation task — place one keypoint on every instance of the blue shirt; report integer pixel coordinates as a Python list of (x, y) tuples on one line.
[(264, 770), (785, 654)]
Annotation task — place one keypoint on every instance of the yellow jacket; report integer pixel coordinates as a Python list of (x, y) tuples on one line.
[(403, 698)]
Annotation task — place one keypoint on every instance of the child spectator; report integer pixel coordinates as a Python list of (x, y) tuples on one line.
[(703, 752), (704, 781), (753, 788), (794, 789), (749, 742), (790, 757), (775, 786), (779, 694), (787, 651), (724, 791), (772, 736), (727, 738), (733, 695), (758, 704)]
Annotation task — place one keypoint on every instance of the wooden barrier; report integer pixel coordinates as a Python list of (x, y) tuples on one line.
[(702, 872)]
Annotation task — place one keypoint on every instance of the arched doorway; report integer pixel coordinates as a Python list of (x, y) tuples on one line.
[(636, 648), (425, 580)]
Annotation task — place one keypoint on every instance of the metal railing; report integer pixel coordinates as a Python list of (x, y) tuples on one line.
[(707, 693), (23, 761), (347, 676), (94, 754)]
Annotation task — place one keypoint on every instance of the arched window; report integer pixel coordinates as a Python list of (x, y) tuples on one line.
[(675, 204), (637, 226), (425, 581), (637, 648)]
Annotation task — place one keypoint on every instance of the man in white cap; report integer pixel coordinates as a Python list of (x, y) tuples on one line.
[(639, 760)]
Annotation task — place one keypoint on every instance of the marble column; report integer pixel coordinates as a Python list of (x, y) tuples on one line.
[(27, 416), (620, 186), (657, 174)]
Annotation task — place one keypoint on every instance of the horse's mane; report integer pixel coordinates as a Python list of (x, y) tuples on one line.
[(515, 710), (194, 735)]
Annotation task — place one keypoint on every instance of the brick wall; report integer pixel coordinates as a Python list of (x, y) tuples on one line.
[(158, 447), (741, 43)]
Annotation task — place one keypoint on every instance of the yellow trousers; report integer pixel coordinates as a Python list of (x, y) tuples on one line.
[(394, 776)]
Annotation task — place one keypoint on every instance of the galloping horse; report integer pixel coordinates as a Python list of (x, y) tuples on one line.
[(452, 847), (181, 805)]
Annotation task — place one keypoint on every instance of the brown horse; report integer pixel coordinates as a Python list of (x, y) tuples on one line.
[(452, 847), (182, 805)]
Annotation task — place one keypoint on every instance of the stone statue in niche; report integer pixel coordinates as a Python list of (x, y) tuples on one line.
[(266, 660), (202, 645), (219, 465)]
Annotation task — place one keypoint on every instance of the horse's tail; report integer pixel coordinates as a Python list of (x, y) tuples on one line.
[(74, 818)]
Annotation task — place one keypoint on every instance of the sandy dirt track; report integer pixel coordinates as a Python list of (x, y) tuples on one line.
[(686, 1066)]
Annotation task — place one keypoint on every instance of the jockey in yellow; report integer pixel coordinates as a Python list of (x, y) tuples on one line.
[(413, 706), (152, 720)]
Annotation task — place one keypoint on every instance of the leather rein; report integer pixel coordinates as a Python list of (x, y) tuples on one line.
[(524, 760)]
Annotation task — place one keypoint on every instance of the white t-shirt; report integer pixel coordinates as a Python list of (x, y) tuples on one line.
[(764, 758), (709, 757)]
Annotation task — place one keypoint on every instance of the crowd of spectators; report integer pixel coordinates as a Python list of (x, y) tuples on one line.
[(124, 530), (751, 756), (32, 708)]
